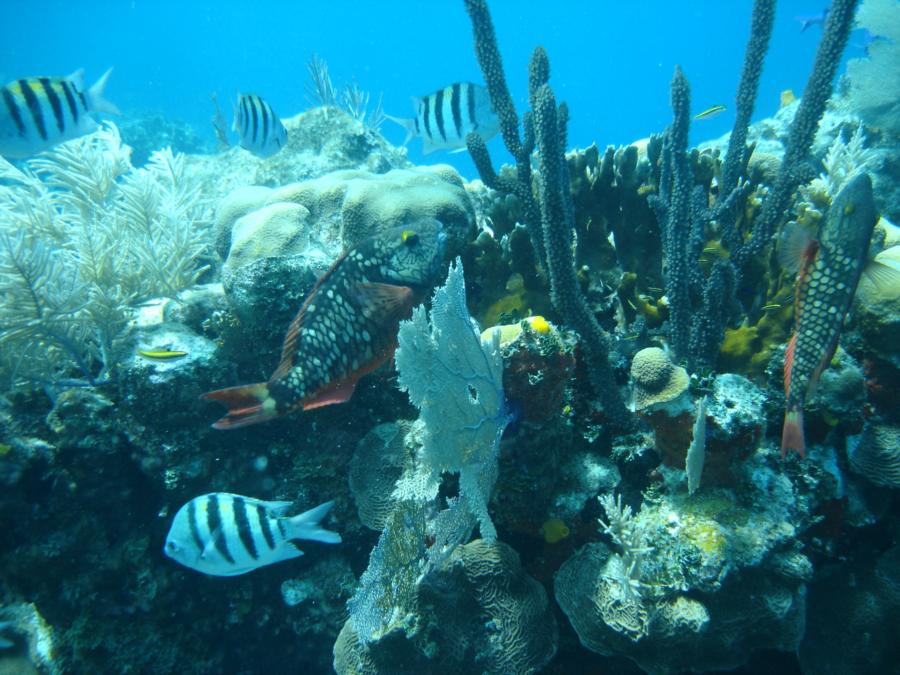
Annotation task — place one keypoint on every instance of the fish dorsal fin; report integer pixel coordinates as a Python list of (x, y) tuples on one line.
[(383, 300), (289, 348), (77, 78), (797, 248), (276, 508), (789, 363)]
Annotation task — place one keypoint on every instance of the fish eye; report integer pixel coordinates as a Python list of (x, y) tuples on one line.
[(409, 237), (171, 546)]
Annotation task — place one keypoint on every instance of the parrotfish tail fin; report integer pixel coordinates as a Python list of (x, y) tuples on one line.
[(95, 96), (792, 433), (247, 404), (407, 123), (306, 525)]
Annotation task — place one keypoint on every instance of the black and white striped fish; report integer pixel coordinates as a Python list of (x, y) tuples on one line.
[(258, 127), (225, 535), (37, 113), (444, 119)]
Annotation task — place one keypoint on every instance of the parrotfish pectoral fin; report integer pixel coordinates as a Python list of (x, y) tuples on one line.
[(247, 404), (338, 392), (95, 96), (792, 433), (384, 300), (306, 525), (796, 247)]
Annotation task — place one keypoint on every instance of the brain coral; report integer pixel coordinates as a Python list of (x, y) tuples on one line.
[(376, 465), (876, 454), (477, 613), (656, 379)]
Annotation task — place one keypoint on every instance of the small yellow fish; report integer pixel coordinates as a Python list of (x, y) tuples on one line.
[(787, 97), (554, 530), (160, 354), (710, 112), (774, 305)]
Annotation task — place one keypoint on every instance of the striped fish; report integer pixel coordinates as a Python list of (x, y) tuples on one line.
[(347, 326), (444, 119), (225, 535), (37, 113), (258, 127), (830, 268)]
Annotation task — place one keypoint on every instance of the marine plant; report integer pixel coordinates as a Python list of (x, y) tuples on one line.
[(84, 239), (321, 92)]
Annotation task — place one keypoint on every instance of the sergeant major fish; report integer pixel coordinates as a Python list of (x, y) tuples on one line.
[(830, 268), (347, 326), (258, 127), (444, 119), (225, 535), (37, 113)]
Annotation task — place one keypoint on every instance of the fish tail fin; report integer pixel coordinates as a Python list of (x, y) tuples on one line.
[(247, 404), (792, 433), (407, 123), (95, 96), (306, 525)]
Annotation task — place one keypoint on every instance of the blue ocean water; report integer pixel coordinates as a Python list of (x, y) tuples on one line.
[(611, 61)]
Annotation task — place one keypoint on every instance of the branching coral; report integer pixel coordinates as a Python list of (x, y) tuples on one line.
[(84, 237)]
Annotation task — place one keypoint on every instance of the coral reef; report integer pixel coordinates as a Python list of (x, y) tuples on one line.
[(490, 482)]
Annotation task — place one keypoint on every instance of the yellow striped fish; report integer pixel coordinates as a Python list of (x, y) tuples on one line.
[(444, 119), (37, 113), (710, 112)]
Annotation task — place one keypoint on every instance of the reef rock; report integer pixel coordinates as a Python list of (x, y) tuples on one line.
[(320, 141), (277, 242), (481, 585)]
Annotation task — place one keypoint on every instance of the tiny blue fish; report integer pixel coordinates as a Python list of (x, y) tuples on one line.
[(37, 113), (444, 119), (258, 127), (224, 535)]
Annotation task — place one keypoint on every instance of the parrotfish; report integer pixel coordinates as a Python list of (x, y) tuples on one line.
[(830, 269), (347, 326), (258, 127), (38, 113), (444, 119), (224, 535)]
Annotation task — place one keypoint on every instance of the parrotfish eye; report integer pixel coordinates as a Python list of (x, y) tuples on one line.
[(409, 237)]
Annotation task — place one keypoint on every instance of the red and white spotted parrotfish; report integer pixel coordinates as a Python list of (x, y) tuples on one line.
[(347, 326), (830, 268)]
